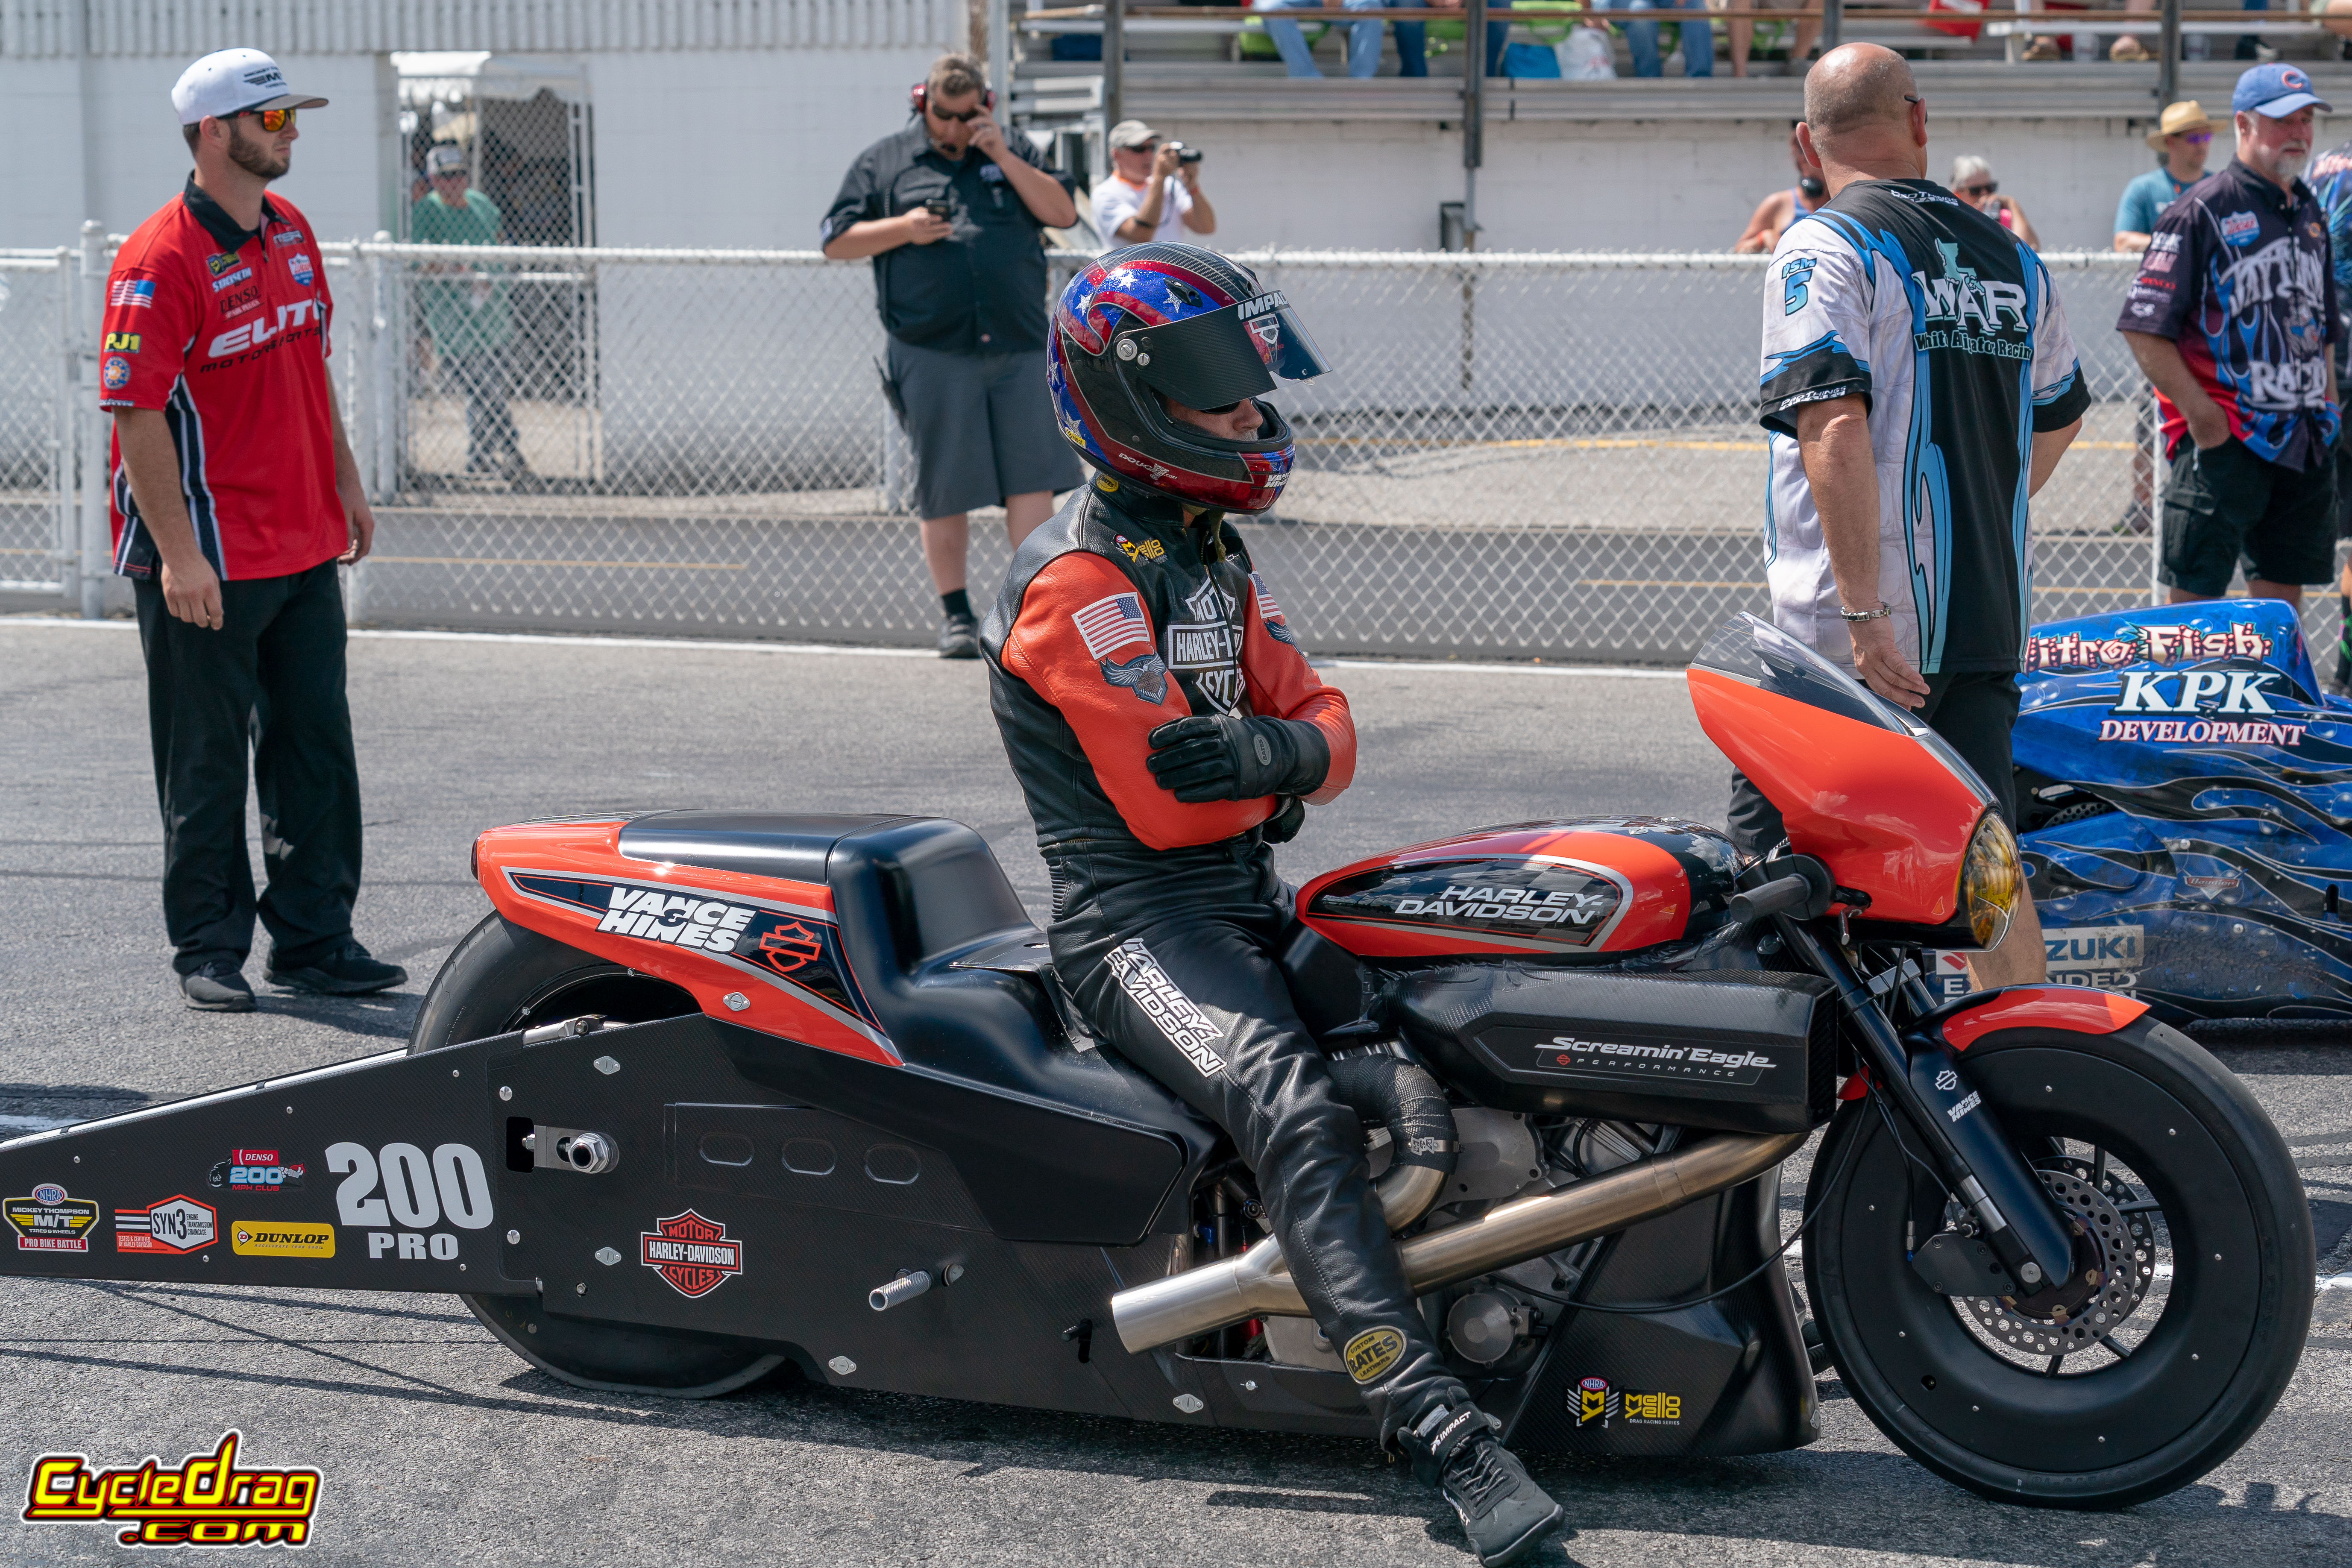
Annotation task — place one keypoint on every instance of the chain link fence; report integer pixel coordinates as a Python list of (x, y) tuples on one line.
[(1517, 456), (36, 420)]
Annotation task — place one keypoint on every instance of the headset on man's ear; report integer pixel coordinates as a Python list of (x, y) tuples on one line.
[(919, 95)]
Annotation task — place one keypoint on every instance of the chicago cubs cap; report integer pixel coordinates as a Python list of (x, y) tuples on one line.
[(233, 81), (2276, 90)]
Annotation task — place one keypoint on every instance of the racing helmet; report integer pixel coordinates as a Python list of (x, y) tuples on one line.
[(1159, 322)]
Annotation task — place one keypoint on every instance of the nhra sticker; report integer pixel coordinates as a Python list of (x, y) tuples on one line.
[(268, 1238), (209, 1501), (47, 1220), (176, 1225), (257, 1170), (692, 1253), (1173, 1013)]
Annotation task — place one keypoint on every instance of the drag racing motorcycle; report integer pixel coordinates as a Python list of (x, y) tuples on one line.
[(710, 1093), (2185, 787)]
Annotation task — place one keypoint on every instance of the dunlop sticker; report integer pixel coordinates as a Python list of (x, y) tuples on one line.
[(276, 1239)]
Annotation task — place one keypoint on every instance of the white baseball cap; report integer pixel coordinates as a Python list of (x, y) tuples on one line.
[(231, 82)]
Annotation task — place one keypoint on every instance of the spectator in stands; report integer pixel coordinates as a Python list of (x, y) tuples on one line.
[(1641, 38), (2252, 424), (1151, 195), (1363, 37), (1972, 182), (2183, 136), (959, 278), (467, 316), (1808, 34), (1781, 208)]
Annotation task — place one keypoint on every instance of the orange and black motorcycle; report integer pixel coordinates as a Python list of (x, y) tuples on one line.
[(713, 1092)]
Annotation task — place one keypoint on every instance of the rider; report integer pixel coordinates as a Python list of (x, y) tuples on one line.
[(1166, 727)]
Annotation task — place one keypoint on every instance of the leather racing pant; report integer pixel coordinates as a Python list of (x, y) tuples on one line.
[(1171, 956)]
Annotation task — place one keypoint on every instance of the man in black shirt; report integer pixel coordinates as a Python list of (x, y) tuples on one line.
[(950, 212)]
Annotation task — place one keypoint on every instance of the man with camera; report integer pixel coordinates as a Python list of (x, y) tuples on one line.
[(1154, 192), (959, 276)]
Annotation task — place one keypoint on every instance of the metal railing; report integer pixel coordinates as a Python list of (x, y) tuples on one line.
[(1517, 456)]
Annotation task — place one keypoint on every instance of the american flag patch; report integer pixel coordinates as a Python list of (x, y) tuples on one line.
[(1270, 613), (1109, 624), (132, 293)]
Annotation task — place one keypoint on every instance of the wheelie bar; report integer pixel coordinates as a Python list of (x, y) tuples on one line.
[(1924, 1078)]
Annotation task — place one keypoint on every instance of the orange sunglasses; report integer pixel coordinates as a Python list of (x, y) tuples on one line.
[(273, 121)]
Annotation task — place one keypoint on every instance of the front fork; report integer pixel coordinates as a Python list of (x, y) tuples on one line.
[(1924, 1078)]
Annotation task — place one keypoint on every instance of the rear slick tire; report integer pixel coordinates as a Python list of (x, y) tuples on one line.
[(501, 978), (2206, 1359)]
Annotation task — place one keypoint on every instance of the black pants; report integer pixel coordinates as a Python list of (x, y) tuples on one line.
[(272, 677), (490, 423), (1974, 710), (1171, 956)]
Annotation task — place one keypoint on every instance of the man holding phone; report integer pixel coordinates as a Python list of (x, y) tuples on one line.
[(951, 213)]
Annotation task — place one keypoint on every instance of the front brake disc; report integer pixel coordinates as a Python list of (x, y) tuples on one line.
[(2086, 1311)]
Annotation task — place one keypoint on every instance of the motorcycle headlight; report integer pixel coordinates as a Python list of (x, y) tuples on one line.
[(1991, 881)]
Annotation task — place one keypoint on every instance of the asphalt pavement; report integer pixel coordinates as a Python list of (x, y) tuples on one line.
[(438, 1445)]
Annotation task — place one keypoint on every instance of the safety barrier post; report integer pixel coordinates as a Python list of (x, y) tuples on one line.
[(95, 545), (65, 551)]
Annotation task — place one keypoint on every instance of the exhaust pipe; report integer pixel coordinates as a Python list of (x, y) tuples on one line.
[(1258, 1284)]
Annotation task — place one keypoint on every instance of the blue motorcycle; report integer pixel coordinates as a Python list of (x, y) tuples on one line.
[(2185, 796)]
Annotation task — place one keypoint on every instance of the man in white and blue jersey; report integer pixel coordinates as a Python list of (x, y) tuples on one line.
[(1918, 385)]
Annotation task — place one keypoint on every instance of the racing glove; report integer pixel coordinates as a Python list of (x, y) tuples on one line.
[(1223, 757)]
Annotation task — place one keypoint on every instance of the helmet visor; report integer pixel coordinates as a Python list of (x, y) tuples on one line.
[(1219, 358)]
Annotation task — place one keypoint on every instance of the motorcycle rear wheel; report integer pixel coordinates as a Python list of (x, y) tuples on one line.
[(2196, 1182), (503, 977)]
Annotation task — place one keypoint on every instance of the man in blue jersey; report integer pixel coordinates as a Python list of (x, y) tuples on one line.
[(2231, 318), (2331, 186), (1918, 385)]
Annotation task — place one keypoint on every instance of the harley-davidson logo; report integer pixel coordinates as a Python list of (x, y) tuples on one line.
[(789, 947), (692, 1252)]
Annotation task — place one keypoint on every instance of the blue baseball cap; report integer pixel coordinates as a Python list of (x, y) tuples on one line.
[(2276, 90)]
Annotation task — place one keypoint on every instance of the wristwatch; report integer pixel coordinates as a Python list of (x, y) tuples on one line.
[(1879, 614)]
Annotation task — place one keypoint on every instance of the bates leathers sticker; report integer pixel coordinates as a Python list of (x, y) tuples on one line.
[(47, 1220), (692, 1253), (178, 1223), (1373, 1352)]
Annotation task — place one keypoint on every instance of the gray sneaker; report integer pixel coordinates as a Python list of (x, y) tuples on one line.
[(960, 637), (218, 987)]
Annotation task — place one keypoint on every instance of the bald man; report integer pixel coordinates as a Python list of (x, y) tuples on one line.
[(1918, 386)]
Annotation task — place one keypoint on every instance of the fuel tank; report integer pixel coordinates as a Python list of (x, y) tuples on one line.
[(1590, 888)]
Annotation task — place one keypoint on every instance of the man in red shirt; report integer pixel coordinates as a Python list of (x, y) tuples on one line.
[(235, 495)]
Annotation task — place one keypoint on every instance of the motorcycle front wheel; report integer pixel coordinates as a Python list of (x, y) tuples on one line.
[(501, 978), (2194, 1269)]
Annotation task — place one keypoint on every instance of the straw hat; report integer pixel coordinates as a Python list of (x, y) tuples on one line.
[(2186, 115)]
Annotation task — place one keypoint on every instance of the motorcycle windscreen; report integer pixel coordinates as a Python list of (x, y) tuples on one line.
[(1213, 359), (1870, 792)]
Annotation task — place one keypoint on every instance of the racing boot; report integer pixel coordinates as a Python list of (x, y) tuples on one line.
[(1505, 1515)]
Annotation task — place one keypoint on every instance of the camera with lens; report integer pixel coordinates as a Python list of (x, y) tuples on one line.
[(1186, 154)]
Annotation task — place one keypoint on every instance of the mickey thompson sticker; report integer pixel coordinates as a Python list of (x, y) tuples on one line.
[(1186, 1026)]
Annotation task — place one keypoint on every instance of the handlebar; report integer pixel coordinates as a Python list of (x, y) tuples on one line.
[(1771, 899)]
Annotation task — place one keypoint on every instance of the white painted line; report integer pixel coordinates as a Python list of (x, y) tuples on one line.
[(592, 640)]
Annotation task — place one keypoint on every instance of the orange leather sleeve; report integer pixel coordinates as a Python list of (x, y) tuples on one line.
[(1282, 684), (1047, 649)]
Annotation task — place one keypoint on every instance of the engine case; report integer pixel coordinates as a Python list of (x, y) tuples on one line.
[(1758, 1053)]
